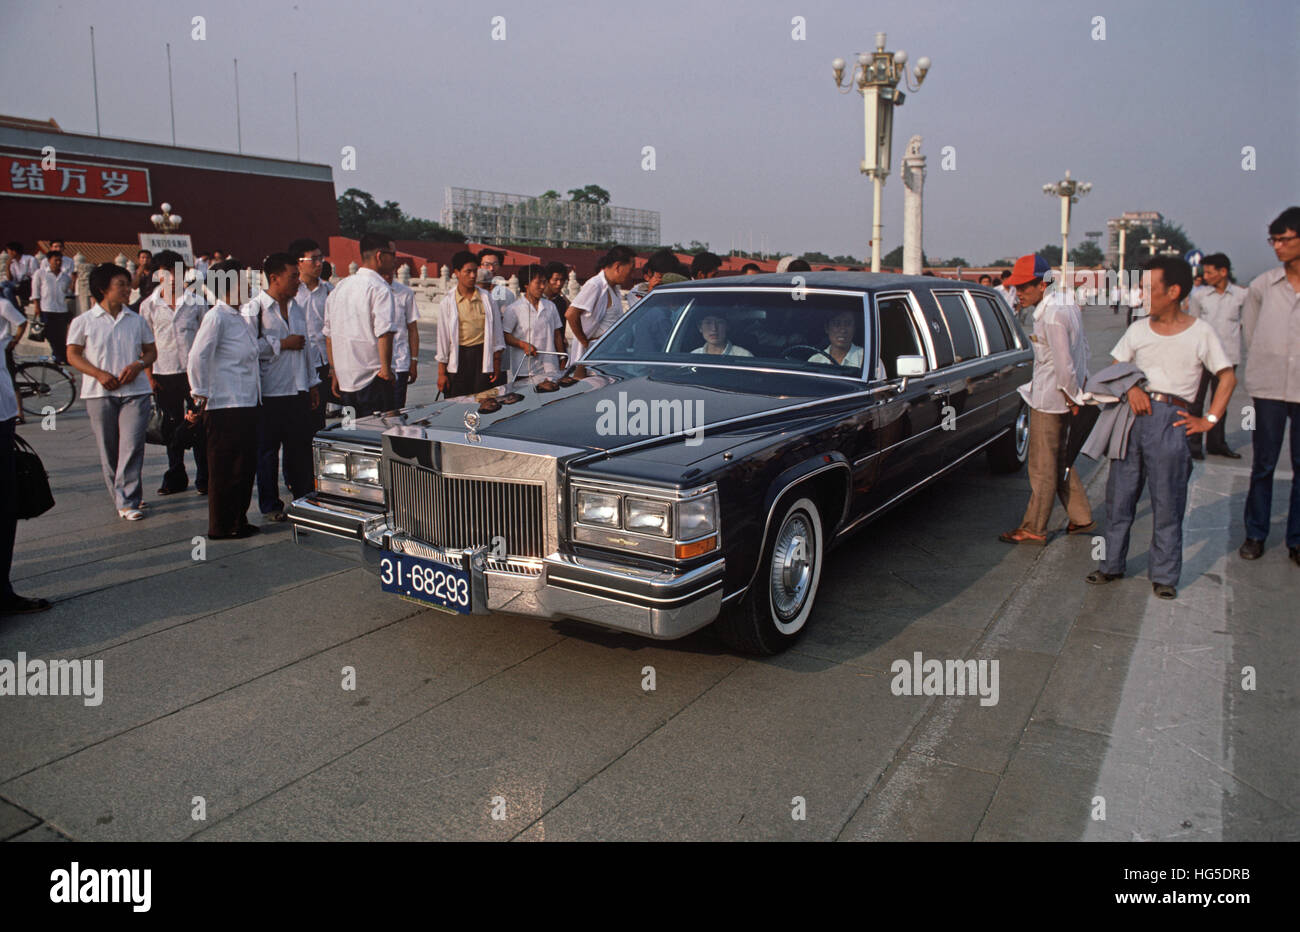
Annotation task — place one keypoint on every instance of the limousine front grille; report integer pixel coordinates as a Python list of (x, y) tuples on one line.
[(457, 513)]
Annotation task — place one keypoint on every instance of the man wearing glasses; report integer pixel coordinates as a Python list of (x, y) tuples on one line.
[(312, 292), (1270, 329)]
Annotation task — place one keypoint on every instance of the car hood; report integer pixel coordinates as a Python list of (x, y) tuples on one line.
[(615, 405)]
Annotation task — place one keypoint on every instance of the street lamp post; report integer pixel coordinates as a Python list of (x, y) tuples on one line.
[(166, 222), (876, 76), (1152, 242), (1069, 191)]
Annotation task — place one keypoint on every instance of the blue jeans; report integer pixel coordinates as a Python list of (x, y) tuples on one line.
[(1158, 458), (1271, 418)]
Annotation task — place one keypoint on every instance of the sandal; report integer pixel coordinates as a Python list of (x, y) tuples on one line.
[(1098, 578), (1021, 536), (1081, 528)]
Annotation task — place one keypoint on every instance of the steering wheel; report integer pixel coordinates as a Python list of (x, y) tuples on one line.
[(800, 346)]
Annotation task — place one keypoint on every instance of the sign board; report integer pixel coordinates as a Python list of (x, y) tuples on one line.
[(1194, 258), (176, 242), (29, 176)]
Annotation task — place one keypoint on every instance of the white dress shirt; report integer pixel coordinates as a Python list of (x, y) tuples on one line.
[(313, 301), (22, 267), (406, 313), (1270, 330), (10, 320), (535, 325), (1223, 313), (448, 345), (51, 290), (601, 304), (358, 312), (223, 364), (174, 329), (1060, 357), (284, 372), (111, 343), (731, 349)]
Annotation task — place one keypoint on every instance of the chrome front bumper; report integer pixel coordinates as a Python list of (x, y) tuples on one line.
[(651, 603)]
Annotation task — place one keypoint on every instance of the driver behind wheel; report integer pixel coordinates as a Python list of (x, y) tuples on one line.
[(713, 327), (841, 350)]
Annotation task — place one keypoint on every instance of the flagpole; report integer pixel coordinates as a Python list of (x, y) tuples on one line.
[(297, 140), (171, 98), (94, 74), (239, 132)]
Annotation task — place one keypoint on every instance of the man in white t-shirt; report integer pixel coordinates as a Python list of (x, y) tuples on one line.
[(1170, 347), (406, 340), (1218, 303)]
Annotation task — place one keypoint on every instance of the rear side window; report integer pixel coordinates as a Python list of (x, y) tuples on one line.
[(995, 326), (965, 345), (938, 331), (898, 336)]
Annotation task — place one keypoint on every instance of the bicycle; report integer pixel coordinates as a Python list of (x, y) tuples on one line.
[(41, 383)]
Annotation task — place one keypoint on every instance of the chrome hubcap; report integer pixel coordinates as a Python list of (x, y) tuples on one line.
[(792, 566), (1022, 434)]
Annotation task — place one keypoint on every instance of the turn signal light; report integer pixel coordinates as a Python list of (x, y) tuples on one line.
[(696, 547)]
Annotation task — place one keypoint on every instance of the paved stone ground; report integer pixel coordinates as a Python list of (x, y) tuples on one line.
[(223, 680)]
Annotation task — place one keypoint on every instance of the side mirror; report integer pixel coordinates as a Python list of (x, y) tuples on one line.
[(909, 365)]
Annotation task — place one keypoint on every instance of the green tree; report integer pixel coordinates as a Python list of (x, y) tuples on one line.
[(1052, 253), (894, 258), (590, 194), (360, 213), (1087, 253), (1136, 255), (952, 263), (551, 195)]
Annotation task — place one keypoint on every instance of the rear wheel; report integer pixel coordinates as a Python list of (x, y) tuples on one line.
[(43, 385), (1009, 452), (773, 612)]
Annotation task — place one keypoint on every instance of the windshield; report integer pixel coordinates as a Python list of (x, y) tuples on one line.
[(801, 331)]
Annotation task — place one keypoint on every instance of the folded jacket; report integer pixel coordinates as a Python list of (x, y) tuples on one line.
[(1107, 388)]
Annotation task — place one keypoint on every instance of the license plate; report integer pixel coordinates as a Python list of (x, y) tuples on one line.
[(426, 581)]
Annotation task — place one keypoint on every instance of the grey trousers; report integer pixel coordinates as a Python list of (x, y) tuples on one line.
[(119, 424), (1159, 459)]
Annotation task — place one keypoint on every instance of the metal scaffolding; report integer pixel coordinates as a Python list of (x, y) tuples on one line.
[(494, 217)]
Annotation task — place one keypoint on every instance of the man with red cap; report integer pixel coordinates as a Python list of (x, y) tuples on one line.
[(1060, 369)]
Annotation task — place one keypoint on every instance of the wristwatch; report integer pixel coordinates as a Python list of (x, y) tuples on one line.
[(1212, 418)]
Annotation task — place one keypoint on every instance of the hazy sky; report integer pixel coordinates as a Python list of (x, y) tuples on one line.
[(749, 133)]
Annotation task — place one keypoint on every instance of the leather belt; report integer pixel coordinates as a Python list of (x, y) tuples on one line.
[(1170, 399)]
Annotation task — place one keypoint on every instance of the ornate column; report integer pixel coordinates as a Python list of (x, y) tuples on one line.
[(913, 172)]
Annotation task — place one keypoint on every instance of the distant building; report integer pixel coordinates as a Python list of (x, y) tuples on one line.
[(1146, 218), (97, 189), (494, 217)]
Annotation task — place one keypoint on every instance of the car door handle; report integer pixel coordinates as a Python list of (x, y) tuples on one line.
[(1021, 365), (939, 393)]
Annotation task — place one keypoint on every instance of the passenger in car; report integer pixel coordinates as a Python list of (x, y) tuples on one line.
[(713, 327), (841, 350)]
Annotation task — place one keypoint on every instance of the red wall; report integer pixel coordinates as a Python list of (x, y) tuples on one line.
[(242, 214)]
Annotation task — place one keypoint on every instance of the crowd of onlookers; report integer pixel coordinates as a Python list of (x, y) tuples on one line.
[(243, 380)]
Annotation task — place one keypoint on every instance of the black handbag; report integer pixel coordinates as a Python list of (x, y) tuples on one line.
[(161, 426), (32, 495), (36, 331)]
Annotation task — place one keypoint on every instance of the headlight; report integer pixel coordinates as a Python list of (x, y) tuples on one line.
[(598, 508), (331, 465), (647, 516), (364, 468), (697, 517)]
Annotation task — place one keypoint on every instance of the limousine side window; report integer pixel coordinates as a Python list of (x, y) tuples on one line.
[(965, 344), (898, 336), (995, 325)]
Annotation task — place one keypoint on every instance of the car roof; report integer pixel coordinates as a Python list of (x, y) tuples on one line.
[(855, 281)]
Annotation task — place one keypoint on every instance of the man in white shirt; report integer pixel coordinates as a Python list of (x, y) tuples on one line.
[(50, 294), (360, 318), (1270, 330), (289, 393), (599, 303), (1008, 292), (174, 314), (111, 345), (406, 340), (470, 342), (312, 294), (12, 323), (20, 271), (226, 384), (491, 265), (1170, 348), (1218, 303), (713, 330), (69, 273), (1060, 369), (533, 330)]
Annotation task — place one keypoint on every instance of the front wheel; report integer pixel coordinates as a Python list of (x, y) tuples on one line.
[(773, 613), (1009, 452), (43, 385)]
